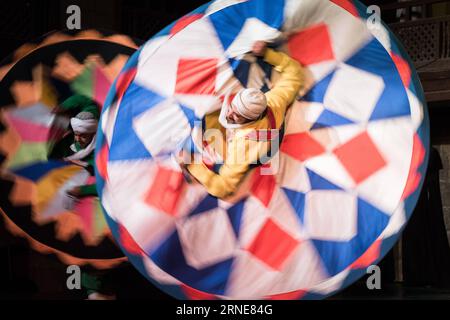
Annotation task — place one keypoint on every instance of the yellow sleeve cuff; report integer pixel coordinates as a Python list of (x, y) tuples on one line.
[(278, 60), (200, 172)]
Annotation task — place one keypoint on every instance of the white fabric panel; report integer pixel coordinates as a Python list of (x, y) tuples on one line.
[(128, 182), (226, 82), (200, 104), (108, 121), (416, 110), (322, 69), (159, 275), (253, 30), (162, 128), (329, 167), (332, 284), (282, 213), (292, 174), (221, 4), (254, 217), (301, 116), (250, 278), (151, 47), (348, 132), (353, 93), (300, 14), (382, 35), (207, 238), (302, 271), (396, 222), (191, 198), (148, 226)]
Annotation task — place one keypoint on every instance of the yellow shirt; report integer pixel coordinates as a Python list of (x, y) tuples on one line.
[(239, 152)]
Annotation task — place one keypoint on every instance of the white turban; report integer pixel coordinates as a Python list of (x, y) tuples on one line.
[(250, 103), (84, 126)]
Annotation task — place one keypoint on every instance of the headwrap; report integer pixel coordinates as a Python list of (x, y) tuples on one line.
[(256, 101)]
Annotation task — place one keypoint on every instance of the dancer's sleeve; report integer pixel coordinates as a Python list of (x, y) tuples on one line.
[(229, 177)]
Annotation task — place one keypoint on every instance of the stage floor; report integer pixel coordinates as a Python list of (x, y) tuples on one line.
[(393, 291)]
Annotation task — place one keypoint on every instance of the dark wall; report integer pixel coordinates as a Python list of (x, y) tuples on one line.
[(22, 21)]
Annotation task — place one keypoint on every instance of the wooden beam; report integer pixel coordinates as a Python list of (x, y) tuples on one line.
[(437, 96)]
